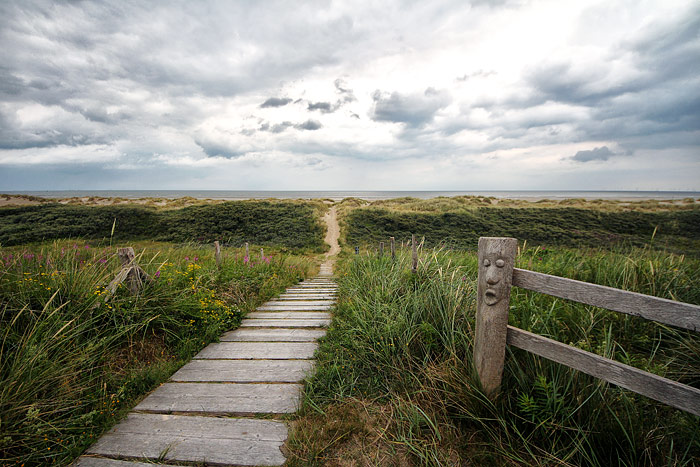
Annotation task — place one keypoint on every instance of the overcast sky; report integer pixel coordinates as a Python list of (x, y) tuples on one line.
[(348, 95)]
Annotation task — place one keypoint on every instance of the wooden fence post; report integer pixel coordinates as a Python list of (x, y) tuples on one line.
[(393, 248), (217, 254), (414, 266), (247, 251), (496, 262), (262, 255), (132, 273), (357, 250), (381, 249)]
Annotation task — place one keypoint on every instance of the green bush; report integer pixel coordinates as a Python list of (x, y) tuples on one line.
[(288, 224)]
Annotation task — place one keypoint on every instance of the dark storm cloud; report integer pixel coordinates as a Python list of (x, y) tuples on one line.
[(309, 125), (415, 110), (275, 128), (276, 102), (597, 154), (324, 107), (218, 149)]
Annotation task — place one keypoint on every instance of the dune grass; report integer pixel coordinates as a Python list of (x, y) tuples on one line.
[(73, 359), (294, 225), (395, 384)]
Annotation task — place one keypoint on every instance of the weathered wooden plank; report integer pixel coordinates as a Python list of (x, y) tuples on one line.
[(255, 350), (297, 302), (214, 441), (222, 398), (665, 311), (496, 259), (319, 290), (655, 387), (244, 371), (288, 297), (294, 307), (288, 314), (273, 335), (303, 285), (286, 323), (85, 461)]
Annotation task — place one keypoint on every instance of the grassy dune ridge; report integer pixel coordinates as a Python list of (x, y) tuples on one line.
[(290, 224), (568, 226), (397, 362)]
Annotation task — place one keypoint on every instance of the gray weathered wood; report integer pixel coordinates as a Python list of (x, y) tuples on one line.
[(286, 323), (222, 398), (381, 249), (273, 335), (655, 387), (126, 256), (217, 253), (131, 273), (215, 441), (244, 371), (247, 250), (393, 247), (303, 285), (85, 461), (289, 314), (414, 254), (665, 311), (262, 255), (329, 297), (496, 260), (297, 302), (312, 290), (255, 350), (287, 307)]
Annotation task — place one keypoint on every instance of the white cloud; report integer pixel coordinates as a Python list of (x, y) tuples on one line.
[(376, 95)]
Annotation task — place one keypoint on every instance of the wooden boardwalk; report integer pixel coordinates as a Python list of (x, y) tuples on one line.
[(208, 413)]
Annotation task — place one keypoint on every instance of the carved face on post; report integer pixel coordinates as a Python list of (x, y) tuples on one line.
[(493, 271)]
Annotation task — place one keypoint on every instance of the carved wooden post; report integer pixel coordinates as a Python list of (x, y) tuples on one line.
[(247, 251), (496, 261), (414, 267), (381, 249), (217, 254), (393, 248)]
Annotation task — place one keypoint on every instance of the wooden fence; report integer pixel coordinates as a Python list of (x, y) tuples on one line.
[(496, 276)]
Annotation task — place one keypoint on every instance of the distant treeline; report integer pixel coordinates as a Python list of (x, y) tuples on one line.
[(555, 226), (287, 224)]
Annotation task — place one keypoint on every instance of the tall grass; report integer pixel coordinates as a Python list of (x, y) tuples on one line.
[(73, 358), (403, 342)]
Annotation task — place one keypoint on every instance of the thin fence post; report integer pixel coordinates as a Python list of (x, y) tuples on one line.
[(247, 250), (357, 250), (262, 255), (381, 249), (414, 265), (217, 254), (393, 248), (496, 262)]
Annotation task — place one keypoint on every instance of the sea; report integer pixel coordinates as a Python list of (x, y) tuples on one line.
[(366, 195)]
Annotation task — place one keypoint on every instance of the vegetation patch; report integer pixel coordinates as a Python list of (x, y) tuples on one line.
[(74, 358), (294, 225), (404, 341), (679, 229)]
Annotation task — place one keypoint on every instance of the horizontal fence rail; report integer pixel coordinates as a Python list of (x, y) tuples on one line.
[(655, 387), (662, 310), (497, 275)]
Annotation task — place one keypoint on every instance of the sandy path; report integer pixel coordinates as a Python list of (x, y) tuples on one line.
[(333, 232)]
